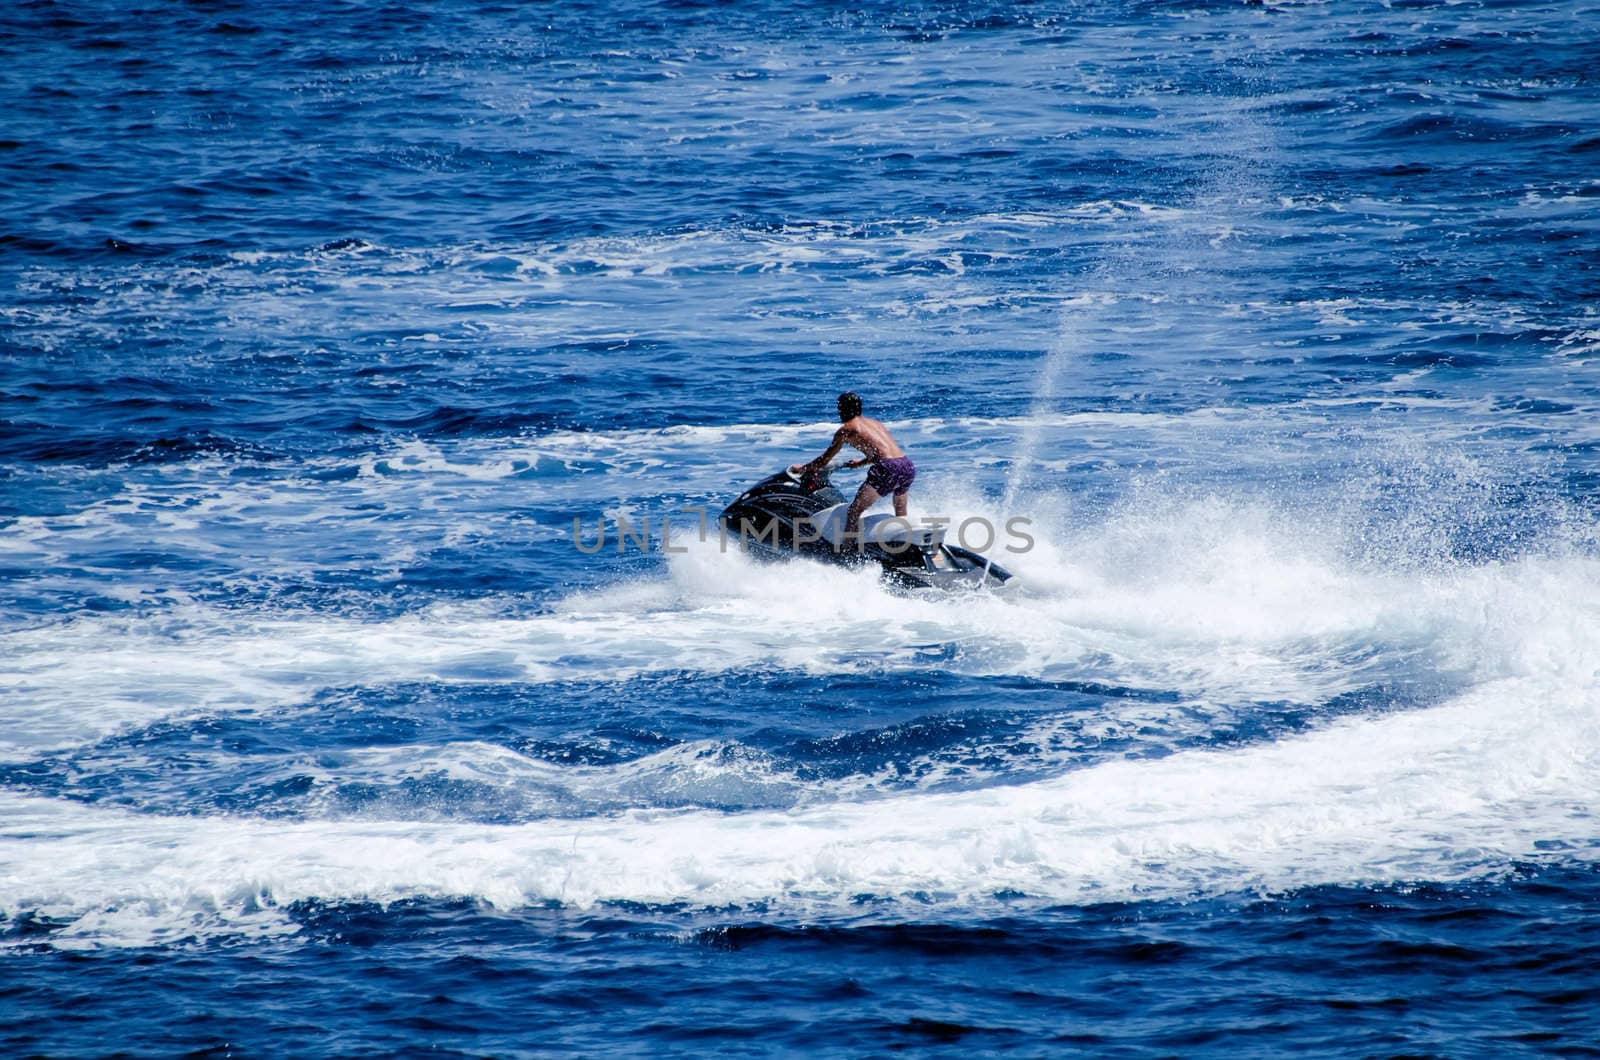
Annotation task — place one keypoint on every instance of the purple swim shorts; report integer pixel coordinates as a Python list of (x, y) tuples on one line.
[(893, 475)]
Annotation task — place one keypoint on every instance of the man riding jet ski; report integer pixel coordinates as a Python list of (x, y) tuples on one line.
[(799, 512), (892, 470)]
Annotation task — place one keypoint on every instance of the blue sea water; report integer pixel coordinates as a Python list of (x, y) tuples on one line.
[(322, 324)]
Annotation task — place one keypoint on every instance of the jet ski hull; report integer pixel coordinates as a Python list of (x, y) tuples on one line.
[(785, 516)]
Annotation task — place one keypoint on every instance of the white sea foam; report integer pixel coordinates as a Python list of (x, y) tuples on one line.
[(1444, 793), (1219, 599)]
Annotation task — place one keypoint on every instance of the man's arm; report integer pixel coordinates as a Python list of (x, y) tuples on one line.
[(822, 461)]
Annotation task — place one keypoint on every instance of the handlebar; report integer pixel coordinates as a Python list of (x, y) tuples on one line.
[(789, 470), (817, 476)]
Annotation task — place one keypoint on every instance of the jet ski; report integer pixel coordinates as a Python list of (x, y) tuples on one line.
[(787, 515)]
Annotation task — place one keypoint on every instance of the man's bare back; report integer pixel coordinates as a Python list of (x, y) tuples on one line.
[(869, 436)]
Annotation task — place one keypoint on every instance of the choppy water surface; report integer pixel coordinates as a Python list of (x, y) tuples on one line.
[(321, 327)]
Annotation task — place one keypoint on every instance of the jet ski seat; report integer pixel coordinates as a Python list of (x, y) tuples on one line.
[(890, 531)]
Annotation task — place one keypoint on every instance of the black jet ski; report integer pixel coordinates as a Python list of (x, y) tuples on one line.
[(803, 515)]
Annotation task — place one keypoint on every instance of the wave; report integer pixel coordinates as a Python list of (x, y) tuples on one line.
[(1451, 128), (1491, 778), (1201, 603), (1171, 587)]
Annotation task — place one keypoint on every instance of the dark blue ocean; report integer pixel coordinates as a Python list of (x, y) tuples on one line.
[(322, 325)]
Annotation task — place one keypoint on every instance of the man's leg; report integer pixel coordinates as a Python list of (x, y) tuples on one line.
[(900, 504), (865, 497)]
